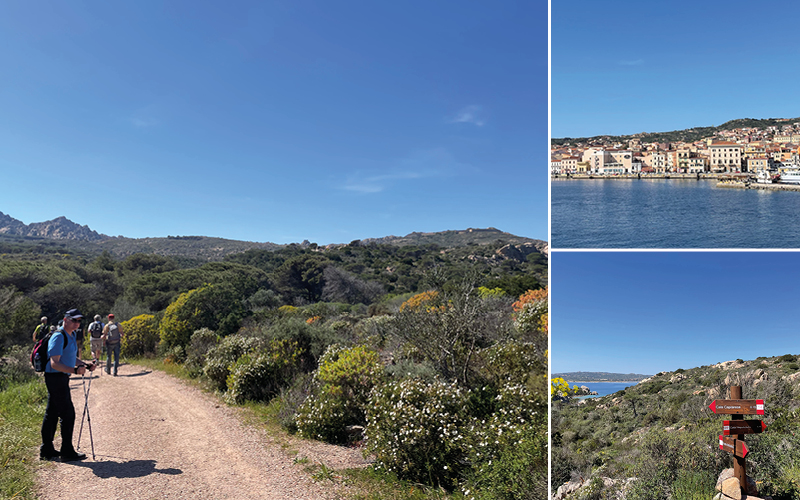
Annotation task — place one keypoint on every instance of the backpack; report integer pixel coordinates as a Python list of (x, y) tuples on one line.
[(113, 333), (96, 329), (39, 357)]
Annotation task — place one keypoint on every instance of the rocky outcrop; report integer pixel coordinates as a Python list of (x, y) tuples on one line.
[(60, 228), (612, 488), (518, 252), (585, 391), (729, 488), (11, 226)]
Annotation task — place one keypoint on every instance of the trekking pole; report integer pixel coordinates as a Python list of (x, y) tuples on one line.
[(88, 418), (85, 406)]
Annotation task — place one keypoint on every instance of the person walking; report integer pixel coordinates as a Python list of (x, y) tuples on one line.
[(96, 337), (41, 329), (62, 352), (112, 334)]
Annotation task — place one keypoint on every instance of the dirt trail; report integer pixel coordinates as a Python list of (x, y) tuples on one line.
[(157, 438)]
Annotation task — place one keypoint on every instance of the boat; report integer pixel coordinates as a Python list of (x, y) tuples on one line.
[(790, 177)]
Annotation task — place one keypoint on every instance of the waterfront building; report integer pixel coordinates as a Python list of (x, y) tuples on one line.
[(725, 156)]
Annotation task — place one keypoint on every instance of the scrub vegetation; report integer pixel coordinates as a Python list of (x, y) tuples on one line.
[(659, 439), (431, 359)]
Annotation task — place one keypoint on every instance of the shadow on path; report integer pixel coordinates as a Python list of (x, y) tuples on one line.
[(129, 469)]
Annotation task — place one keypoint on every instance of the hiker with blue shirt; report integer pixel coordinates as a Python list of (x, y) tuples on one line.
[(62, 351)]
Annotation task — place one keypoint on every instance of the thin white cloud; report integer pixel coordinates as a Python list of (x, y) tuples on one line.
[(424, 164), (469, 114), (145, 117), (143, 122)]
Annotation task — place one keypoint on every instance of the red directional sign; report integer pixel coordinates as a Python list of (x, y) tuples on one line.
[(733, 427), (738, 406), (735, 446)]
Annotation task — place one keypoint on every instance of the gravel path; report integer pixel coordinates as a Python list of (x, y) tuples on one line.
[(156, 437)]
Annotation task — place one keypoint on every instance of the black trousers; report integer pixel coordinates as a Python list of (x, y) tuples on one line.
[(59, 407)]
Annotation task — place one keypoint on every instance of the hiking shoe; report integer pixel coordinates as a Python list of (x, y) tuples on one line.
[(73, 457), (50, 454)]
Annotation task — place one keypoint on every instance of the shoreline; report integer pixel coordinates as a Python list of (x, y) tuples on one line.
[(723, 180), (602, 381)]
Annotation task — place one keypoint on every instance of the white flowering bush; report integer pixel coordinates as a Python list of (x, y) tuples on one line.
[(324, 417), (508, 448), (530, 317), (414, 429), (342, 383)]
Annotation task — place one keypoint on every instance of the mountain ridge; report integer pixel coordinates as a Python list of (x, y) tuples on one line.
[(684, 135), (62, 233)]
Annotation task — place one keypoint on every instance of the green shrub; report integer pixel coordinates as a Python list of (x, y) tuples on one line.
[(141, 335), (343, 382), (694, 485), (202, 341), (175, 354), (259, 376), (15, 367), (414, 429), (222, 357), (787, 358), (515, 362), (290, 400)]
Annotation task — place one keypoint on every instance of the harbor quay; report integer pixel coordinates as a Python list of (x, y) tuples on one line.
[(724, 180)]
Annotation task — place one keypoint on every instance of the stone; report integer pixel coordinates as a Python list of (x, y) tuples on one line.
[(725, 474), (731, 488)]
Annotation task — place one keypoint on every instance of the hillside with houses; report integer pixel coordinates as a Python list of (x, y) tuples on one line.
[(751, 146)]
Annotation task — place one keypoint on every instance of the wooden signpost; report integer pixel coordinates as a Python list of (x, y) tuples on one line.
[(738, 406), (737, 427), (743, 427), (738, 448)]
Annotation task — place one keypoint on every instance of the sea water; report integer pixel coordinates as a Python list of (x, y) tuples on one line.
[(670, 213), (603, 388)]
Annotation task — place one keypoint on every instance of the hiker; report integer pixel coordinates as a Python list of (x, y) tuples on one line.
[(62, 352), (41, 329), (96, 334), (112, 334)]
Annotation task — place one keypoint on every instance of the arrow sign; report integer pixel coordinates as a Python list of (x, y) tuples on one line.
[(743, 427), (738, 406), (735, 446)]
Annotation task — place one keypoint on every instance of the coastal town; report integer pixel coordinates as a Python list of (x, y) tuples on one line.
[(764, 155)]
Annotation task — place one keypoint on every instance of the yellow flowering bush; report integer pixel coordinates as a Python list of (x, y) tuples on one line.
[(343, 382), (141, 335)]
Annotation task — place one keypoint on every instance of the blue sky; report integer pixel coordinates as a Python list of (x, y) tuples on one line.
[(630, 66), (275, 121), (646, 312)]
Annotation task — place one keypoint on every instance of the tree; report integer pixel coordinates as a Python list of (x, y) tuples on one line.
[(302, 277), (18, 317), (341, 286), (447, 329), (216, 307)]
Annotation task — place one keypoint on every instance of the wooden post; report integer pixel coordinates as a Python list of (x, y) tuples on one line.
[(739, 467)]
